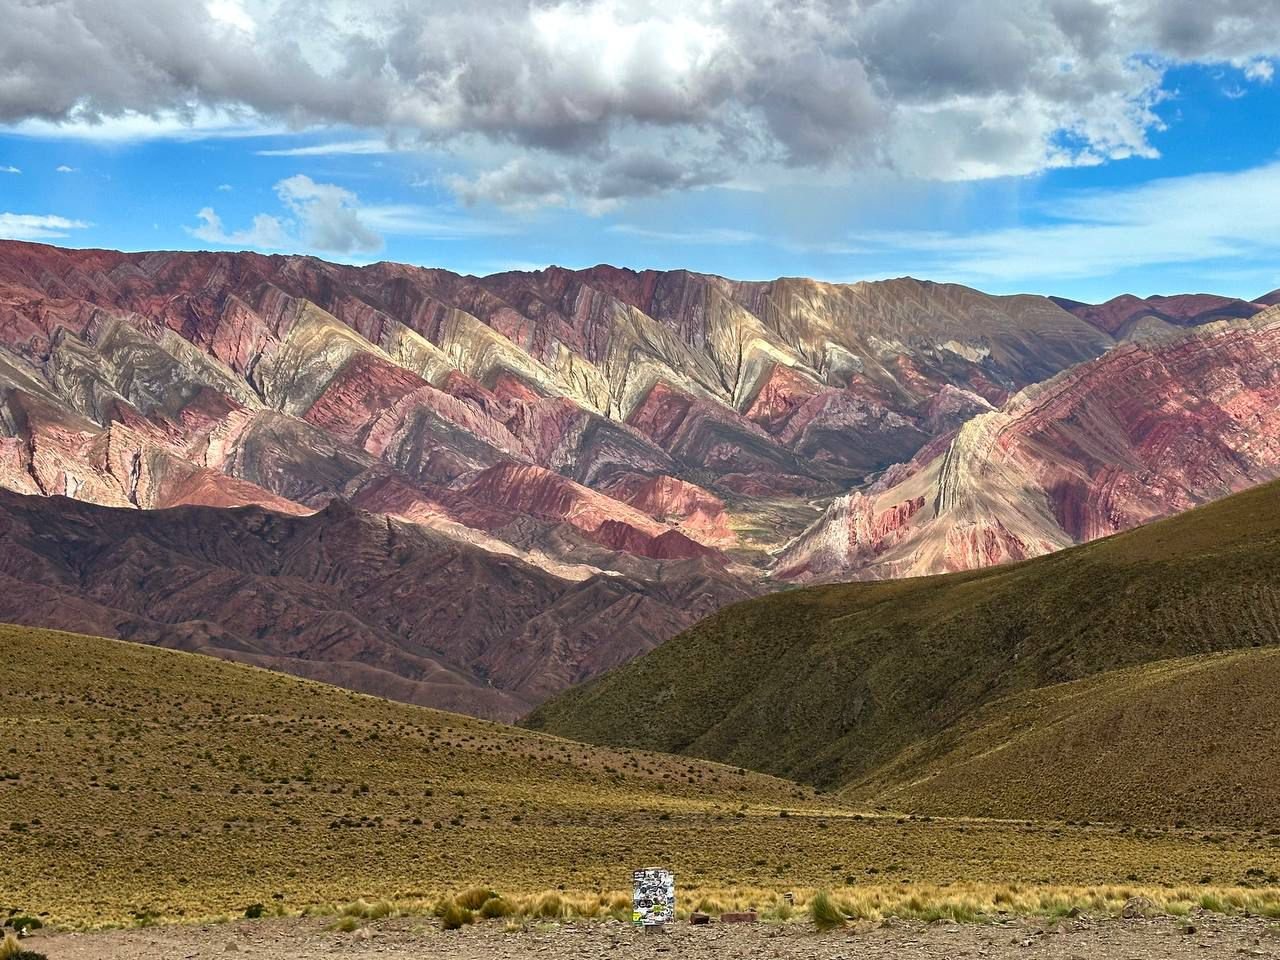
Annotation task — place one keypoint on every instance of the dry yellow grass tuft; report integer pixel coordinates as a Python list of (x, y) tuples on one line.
[(1194, 740), (142, 785)]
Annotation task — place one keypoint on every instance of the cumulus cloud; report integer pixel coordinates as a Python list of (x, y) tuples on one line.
[(330, 218), (558, 90), (9, 169), (529, 182), (266, 232), (63, 168), (328, 215), (33, 226), (319, 216)]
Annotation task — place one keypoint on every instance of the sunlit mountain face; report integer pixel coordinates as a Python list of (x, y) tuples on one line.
[(493, 344), (472, 492)]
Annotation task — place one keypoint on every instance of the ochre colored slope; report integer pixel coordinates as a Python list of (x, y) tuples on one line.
[(1194, 740), (148, 781), (145, 785), (827, 684)]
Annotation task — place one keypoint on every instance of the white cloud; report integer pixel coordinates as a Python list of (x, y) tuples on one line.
[(344, 147), (233, 14), (63, 168), (266, 233), (565, 94), (707, 236), (9, 169), (328, 215), (30, 226), (330, 218), (189, 122), (1260, 71), (225, 188), (1228, 218)]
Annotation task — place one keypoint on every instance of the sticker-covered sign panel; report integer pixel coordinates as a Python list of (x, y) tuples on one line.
[(653, 897)]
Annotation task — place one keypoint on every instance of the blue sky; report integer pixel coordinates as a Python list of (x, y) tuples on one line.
[(1157, 172)]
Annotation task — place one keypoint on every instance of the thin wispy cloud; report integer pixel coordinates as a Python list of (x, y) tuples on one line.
[(342, 148), (10, 169), (63, 168), (708, 236), (32, 226), (1198, 219)]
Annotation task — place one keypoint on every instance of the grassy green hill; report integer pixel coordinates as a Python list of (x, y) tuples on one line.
[(829, 684)]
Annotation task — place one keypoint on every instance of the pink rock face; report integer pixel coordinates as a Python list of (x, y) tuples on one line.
[(782, 394), (1145, 431), (698, 513), (655, 437)]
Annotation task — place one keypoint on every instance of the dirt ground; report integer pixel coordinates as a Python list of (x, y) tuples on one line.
[(301, 939)]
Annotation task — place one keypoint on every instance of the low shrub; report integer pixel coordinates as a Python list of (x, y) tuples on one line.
[(455, 917), (475, 898), (11, 949), (496, 907), (550, 906), (824, 913)]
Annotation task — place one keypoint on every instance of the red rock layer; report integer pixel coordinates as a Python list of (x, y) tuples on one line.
[(1145, 431), (607, 426)]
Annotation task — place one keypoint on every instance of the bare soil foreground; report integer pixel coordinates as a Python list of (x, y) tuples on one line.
[(1081, 938)]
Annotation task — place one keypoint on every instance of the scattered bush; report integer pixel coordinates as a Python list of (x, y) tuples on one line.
[(254, 911), (496, 907), (366, 910), (21, 924), (475, 898), (782, 911), (346, 924), (824, 913), (550, 906), (11, 949), (456, 917)]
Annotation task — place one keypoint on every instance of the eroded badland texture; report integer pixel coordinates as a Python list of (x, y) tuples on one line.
[(644, 447)]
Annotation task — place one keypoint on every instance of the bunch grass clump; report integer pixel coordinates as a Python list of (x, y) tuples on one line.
[(456, 917), (824, 912), (475, 898)]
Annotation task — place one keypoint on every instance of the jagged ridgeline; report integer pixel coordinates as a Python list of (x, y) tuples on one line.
[(945, 694), (474, 492)]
